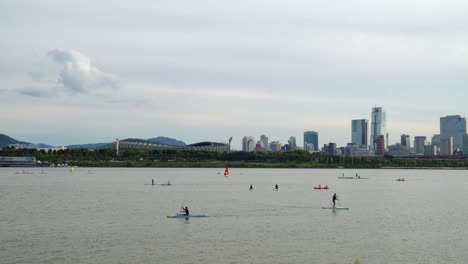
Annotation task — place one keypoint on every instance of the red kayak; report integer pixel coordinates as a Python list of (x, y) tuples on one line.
[(321, 188)]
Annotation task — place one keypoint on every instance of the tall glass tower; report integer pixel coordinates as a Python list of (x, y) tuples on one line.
[(359, 132), (378, 126), (453, 126), (311, 137)]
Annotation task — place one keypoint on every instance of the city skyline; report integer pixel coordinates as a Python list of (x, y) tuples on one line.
[(79, 72)]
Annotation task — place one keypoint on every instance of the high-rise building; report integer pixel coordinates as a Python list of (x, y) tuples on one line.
[(405, 141), (292, 143), (332, 148), (248, 144), (264, 141), (275, 146), (380, 146), (311, 137), (378, 126), (453, 126), (446, 146), (419, 143), (435, 140), (465, 145), (359, 132)]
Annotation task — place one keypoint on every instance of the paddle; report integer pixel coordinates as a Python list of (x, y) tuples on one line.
[(182, 207)]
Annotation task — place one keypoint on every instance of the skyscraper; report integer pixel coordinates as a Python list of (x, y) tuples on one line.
[(453, 126), (311, 137), (380, 146), (248, 144), (405, 141), (446, 146), (378, 126), (292, 143), (264, 141), (359, 132), (419, 143)]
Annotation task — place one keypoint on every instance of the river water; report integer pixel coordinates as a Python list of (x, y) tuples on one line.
[(109, 215)]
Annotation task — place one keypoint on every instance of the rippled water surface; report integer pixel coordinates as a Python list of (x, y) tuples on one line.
[(111, 216)]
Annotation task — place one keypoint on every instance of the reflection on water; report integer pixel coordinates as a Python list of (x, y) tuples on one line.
[(112, 216)]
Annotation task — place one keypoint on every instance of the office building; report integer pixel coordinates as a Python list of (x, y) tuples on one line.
[(311, 137), (465, 145), (378, 127), (435, 140), (446, 146), (453, 126), (359, 128), (419, 143), (405, 141)]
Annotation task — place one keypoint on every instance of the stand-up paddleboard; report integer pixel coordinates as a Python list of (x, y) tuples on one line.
[(336, 208), (276, 190), (186, 216)]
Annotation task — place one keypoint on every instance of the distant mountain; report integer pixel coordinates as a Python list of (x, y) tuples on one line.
[(6, 140), (91, 146), (42, 145), (166, 141)]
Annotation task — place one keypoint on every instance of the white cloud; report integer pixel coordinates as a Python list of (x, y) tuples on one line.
[(78, 74)]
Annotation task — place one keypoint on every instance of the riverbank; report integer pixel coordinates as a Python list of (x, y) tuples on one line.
[(240, 164)]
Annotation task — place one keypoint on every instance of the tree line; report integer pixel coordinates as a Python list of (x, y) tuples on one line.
[(190, 158)]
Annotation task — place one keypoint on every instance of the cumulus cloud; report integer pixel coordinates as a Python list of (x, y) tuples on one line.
[(78, 74)]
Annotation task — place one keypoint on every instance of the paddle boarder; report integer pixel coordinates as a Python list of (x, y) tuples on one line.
[(335, 197), (152, 181), (251, 187), (185, 210), (276, 187)]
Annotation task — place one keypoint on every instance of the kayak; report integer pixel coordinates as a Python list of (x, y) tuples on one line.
[(186, 216), (321, 188), (336, 208)]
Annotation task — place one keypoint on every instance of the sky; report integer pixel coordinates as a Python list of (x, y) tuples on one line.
[(75, 72)]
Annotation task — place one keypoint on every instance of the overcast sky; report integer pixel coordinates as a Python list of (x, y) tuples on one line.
[(92, 71)]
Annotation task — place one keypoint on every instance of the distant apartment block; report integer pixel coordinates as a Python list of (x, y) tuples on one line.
[(275, 146), (248, 144)]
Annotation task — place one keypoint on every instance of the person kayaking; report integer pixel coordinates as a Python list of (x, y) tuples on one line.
[(251, 187), (320, 186), (152, 181), (168, 182), (276, 187), (185, 210), (335, 197)]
